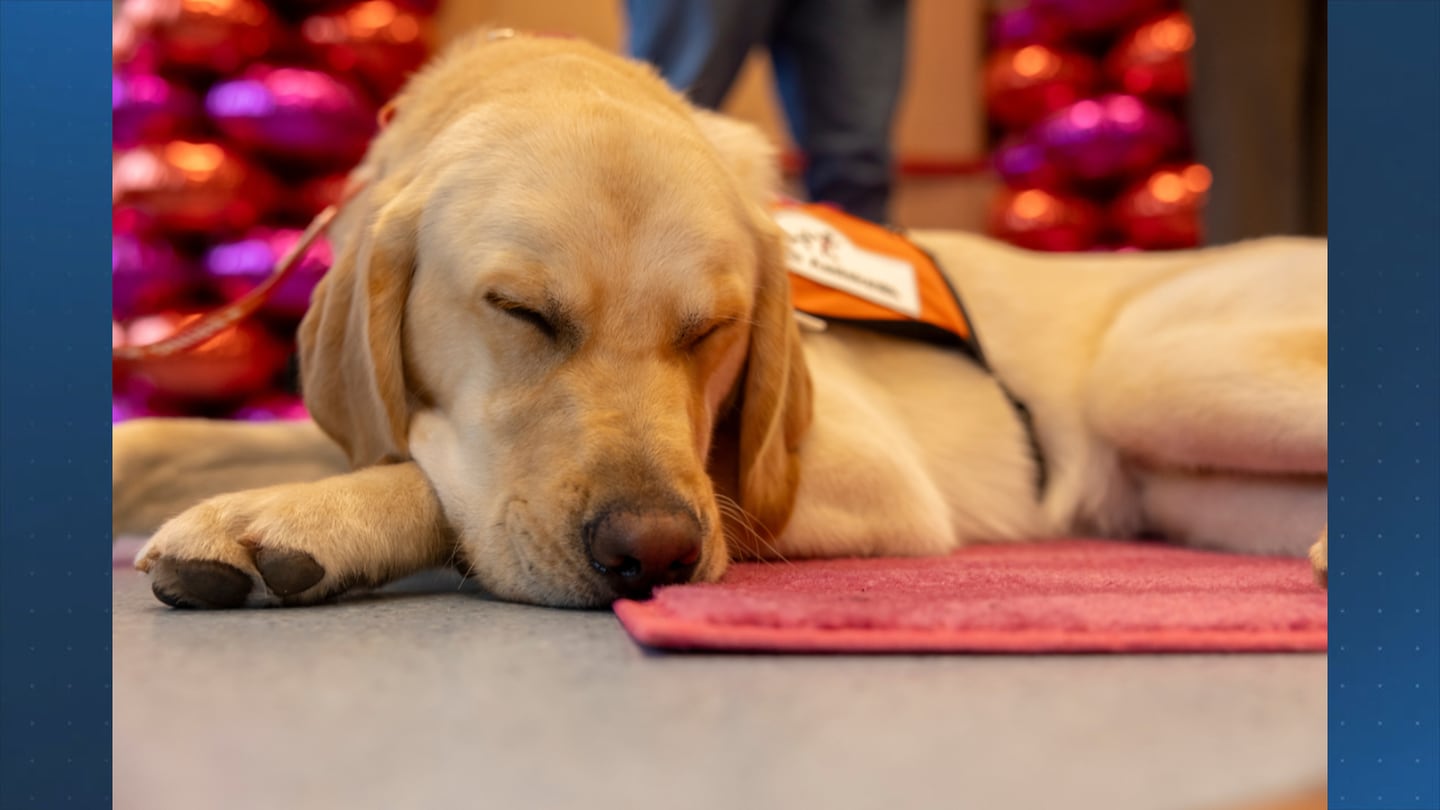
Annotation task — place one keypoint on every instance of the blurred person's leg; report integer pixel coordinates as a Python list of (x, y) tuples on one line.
[(699, 46), (1257, 118), (840, 65)]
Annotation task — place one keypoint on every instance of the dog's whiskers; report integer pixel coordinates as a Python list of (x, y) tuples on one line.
[(757, 531)]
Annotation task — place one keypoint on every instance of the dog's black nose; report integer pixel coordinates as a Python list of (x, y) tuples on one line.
[(640, 549)]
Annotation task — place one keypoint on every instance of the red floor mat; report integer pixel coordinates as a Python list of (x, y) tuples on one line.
[(1061, 596)]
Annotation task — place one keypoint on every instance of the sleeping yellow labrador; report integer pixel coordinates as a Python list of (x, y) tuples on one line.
[(557, 350)]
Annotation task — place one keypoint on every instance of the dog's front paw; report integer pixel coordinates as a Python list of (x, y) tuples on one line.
[(1320, 558), (236, 551)]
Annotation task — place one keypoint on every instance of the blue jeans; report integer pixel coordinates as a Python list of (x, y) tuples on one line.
[(839, 65)]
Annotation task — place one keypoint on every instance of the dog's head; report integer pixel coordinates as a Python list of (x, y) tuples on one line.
[(579, 327)]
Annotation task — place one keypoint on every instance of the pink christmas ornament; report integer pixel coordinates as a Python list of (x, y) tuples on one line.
[(148, 108)]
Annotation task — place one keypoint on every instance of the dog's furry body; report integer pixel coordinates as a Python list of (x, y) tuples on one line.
[(1180, 393)]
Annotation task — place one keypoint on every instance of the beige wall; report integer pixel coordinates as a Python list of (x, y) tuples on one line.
[(941, 114)]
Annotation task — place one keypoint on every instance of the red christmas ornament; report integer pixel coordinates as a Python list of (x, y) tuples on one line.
[(212, 36), (183, 186), (1026, 84), (294, 114), (147, 108), (146, 277), (236, 268), (1039, 220), (380, 42), (1097, 16), (239, 361), (1107, 139), (1162, 212), (132, 49), (1153, 60), (303, 202)]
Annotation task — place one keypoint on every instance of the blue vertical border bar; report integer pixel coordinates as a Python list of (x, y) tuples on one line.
[(1385, 395), (55, 591)]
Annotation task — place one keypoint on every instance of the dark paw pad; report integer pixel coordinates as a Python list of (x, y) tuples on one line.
[(199, 584), (288, 572)]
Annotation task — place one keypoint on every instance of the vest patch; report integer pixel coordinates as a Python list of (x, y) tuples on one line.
[(849, 270)]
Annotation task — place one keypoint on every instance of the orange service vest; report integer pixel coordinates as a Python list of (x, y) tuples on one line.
[(849, 270)]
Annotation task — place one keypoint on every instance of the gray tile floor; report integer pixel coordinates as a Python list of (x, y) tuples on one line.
[(432, 697)]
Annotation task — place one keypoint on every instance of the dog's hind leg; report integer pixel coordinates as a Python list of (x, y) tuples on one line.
[(1249, 399), (1215, 385), (1252, 514), (298, 544)]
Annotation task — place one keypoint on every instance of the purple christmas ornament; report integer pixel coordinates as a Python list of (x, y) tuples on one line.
[(295, 114), (146, 276), (272, 407), (236, 268), (1107, 139), (1022, 163)]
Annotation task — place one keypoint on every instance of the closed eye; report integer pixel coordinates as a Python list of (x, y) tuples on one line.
[(521, 312), (693, 338)]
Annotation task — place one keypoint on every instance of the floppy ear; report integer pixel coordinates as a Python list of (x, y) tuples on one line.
[(775, 404), (774, 397), (351, 361)]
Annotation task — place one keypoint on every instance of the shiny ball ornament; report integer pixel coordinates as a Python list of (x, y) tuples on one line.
[(1025, 84), (210, 36), (146, 276), (1022, 163), (1024, 25), (148, 108), (273, 407), (119, 372), (126, 405), (1039, 220), (131, 222), (1153, 61), (1162, 212), (235, 268), (189, 187), (301, 203), (378, 41), (1107, 140), (240, 361), (1090, 17), (294, 114), (133, 49)]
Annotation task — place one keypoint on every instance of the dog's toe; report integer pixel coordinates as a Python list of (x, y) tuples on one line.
[(288, 572), (1320, 558), (199, 583)]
